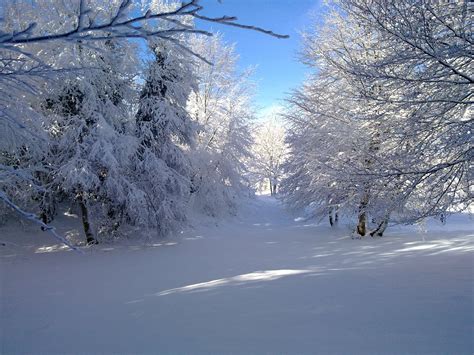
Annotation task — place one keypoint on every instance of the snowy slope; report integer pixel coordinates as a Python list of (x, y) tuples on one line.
[(260, 284)]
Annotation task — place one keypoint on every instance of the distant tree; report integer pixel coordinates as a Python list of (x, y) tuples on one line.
[(269, 152)]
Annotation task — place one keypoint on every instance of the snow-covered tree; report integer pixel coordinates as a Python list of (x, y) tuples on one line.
[(269, 152), (400, 72), (88, 122), (222, 108), (418, 72), (322, 140), (165, 131)]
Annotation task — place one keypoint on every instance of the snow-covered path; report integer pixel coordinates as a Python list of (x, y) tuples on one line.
[(261, 284)]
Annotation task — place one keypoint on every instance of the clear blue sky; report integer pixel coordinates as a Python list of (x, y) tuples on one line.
[(278, 69)]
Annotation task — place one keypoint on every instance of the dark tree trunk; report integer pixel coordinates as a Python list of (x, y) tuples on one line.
[(86, 224), (47, 204), (362, 220), (47, 210), (362, 224), (380, 228), (333, 216)]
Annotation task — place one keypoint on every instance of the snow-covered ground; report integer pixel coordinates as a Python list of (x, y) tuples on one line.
[(263, 283)]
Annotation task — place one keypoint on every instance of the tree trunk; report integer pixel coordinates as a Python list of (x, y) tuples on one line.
[(381, 227), (362, 223), (333, 216), (47, 208), (85, 223), (274, 189), (271, 187)]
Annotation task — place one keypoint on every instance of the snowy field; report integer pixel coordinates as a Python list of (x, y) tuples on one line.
[(262, 283)]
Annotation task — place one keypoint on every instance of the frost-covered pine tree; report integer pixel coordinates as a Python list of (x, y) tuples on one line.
[(165, 133), (88, 116)]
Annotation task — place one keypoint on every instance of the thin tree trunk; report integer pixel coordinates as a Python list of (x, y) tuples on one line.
[(271, 187), (48, 209), (331, 221), (85, 223), (336, 215), (362, 222), (373, 149)]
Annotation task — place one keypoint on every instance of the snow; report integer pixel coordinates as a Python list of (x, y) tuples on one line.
[(265, 282)]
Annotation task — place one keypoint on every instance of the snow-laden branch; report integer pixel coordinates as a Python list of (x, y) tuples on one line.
[(119, 26), (32, 217)]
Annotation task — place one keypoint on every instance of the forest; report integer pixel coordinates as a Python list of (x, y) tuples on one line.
[(129, 133), (139, 133)]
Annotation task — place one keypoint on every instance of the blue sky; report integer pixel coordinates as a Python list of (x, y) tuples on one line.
[(278, 69)]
